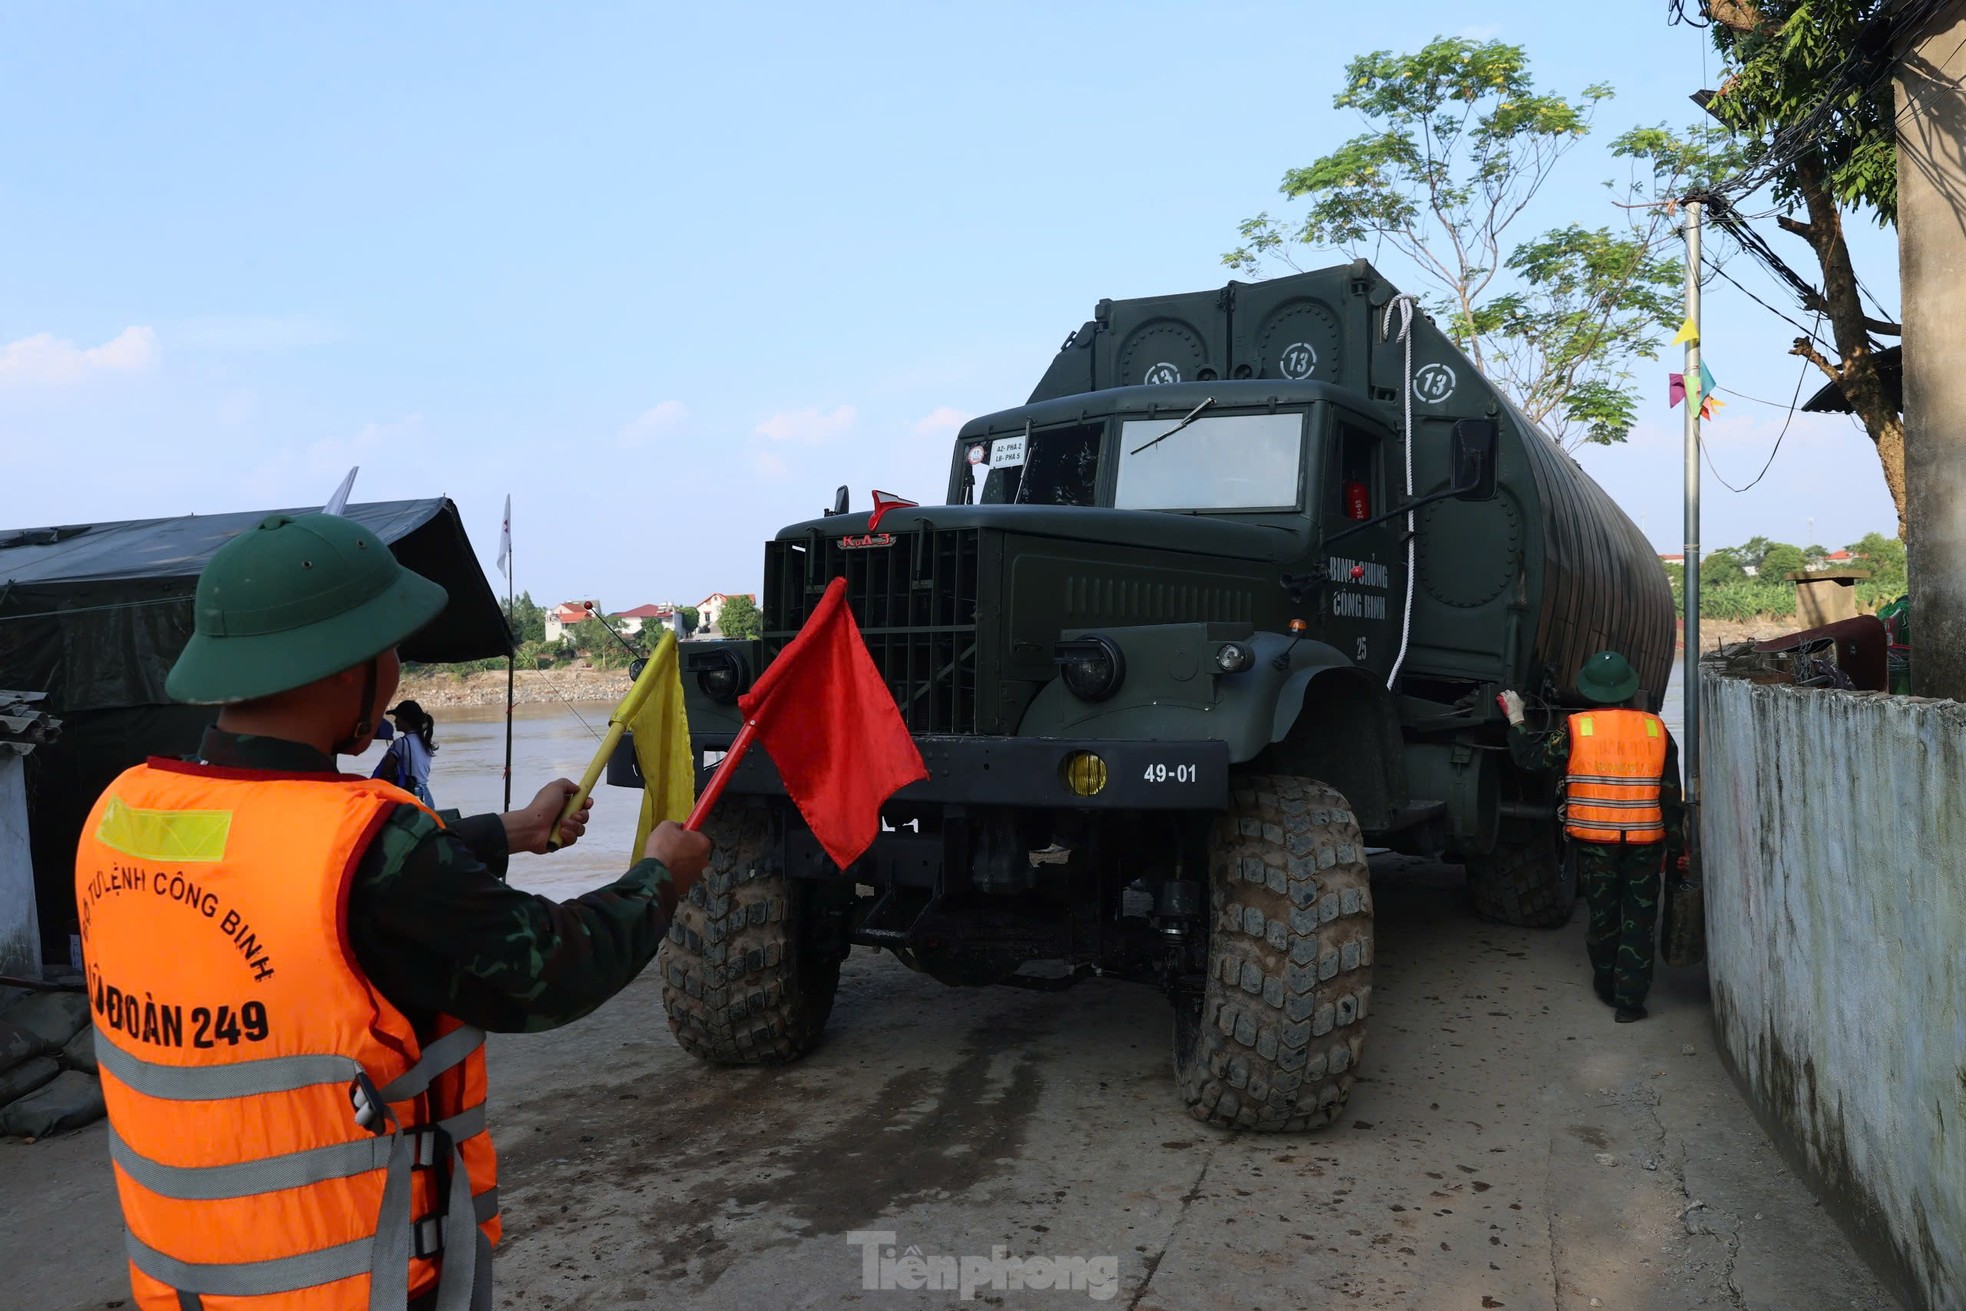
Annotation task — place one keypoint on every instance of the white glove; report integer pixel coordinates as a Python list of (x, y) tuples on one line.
[(1511, 703)]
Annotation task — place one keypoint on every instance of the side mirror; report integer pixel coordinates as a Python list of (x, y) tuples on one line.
[(1473, 455), (840, 500)]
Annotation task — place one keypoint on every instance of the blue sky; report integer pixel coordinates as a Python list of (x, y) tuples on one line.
[(668, 275)]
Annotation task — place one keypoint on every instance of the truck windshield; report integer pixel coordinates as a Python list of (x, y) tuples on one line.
[(1217, 462), (1054, 466)]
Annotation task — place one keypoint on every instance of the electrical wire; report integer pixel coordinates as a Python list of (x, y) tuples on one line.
[(1773, 452)]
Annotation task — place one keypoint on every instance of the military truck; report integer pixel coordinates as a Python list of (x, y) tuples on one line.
[(1225, 603)]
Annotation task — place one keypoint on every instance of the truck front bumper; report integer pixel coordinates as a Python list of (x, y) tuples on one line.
[(1053, 773)]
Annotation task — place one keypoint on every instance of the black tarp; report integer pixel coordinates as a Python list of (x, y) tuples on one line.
[(95, 614)]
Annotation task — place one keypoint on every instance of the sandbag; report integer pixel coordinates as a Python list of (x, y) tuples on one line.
[(72, 1100), (10, 994), (55, 1016), (18, 1044), (80, 1054), (26, 1077)]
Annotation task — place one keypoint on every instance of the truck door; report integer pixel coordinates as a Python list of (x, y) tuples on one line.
[(1365, 569)]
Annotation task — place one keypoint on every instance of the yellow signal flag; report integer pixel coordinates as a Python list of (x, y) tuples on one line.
[(661, 729), (1687, 332)]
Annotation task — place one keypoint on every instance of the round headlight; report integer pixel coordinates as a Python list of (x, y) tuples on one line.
[(1234, 657), (1092, 667), (1085, 773), (722, 676)]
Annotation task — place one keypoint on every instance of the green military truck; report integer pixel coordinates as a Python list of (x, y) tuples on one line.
[(1175, 660)]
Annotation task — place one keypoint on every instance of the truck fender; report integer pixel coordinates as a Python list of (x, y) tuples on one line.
[(1175, 690)]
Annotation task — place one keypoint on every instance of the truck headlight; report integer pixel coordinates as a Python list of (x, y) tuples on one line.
[(1234, 657), (1093, 667), (721, 675)]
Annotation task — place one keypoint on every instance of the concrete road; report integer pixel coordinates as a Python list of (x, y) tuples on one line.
[(1508, 1146)]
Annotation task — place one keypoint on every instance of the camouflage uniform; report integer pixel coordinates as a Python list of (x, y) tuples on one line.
[(1620, 881), (436, 929)]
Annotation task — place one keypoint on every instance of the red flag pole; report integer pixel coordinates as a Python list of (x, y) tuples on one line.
[(721, 779)]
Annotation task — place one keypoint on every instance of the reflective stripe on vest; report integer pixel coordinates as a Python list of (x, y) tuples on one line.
[(1611, 789), (279, 1131)]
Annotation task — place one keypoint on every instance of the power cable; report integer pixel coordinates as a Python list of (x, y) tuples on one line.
[(1773, 452)]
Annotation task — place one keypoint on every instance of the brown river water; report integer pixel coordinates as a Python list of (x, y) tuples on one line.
[(548, 742), (557, 741)]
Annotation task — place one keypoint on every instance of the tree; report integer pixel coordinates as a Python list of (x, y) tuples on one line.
[(593, 638), (1822, 130), (690, 618), (740, 618), (526, 621), (1884, 556), (1778, 562), (1721, 568), (1459, 141), (1815, 557)]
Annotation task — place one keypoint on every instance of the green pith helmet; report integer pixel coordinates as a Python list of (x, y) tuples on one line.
[(293, 600), (1607, 679)]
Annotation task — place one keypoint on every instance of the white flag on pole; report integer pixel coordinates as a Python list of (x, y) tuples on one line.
[(339, 501), (505, 540)]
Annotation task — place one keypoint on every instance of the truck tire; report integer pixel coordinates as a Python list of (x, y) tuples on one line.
[(740, 981), (1275, 1039), (1529, 883)]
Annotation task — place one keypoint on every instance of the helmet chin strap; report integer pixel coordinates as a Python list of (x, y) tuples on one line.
[(364, 726)]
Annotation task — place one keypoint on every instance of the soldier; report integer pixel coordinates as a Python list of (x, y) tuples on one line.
[(292, 968), (1622, 809)]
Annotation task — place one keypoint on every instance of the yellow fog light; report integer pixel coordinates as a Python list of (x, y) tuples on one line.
[(1085, 773)]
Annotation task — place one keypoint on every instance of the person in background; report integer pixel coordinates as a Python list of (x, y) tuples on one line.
[(1623, 814), (407, 762), (291, 969)]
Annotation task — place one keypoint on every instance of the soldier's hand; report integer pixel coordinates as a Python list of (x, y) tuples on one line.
[(529, 829), (1511, 703), (682, 852)]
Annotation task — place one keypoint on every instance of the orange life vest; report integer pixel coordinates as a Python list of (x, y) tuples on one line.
[(282, 1136), (1611, 792)]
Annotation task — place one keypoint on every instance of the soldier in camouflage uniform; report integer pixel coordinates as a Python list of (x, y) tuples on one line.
[(1625, 819), (295, 633)]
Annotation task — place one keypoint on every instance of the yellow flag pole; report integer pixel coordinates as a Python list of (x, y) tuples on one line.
[(617, 724)]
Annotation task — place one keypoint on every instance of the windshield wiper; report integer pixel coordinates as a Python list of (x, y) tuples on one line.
[(1192, 416)]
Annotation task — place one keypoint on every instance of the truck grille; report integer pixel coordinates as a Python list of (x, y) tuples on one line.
[(915, 603)]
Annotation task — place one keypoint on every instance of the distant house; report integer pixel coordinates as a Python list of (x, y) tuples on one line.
[(711, 608), (1834, 560), (1675, 558), (631, 622), (561, 619)]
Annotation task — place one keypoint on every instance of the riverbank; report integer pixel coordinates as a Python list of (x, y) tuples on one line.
[(436, 688), (433, 688)]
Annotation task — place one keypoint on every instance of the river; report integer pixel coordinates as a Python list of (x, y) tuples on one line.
[(556, 741), (548, 741)]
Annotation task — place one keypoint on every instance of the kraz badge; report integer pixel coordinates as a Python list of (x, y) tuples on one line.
[(866, 542)]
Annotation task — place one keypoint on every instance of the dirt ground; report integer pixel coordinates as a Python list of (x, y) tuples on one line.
[(1508, 1146)]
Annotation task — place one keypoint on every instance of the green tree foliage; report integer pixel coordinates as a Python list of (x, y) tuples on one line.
[(526, 620), (1726, 591), (600, 646), (1779, 561), (740, 618), (1458, 142), (690, 618), (1718, 570), (1803, 83), (1883, 556), (1815, 557)]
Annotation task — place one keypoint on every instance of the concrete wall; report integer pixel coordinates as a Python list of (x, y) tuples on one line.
[(1834, 834), (20, 931)]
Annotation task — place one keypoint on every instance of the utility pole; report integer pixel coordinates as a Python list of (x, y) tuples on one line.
[(1689, 682), (1931, 259)]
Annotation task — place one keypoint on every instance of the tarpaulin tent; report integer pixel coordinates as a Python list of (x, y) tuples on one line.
[(94, 615)]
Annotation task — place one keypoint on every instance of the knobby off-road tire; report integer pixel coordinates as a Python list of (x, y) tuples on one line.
[(1282, 1018), (1528, 883), (739, 980)]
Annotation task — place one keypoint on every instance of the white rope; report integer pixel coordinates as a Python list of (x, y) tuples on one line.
[(1404, 303)]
